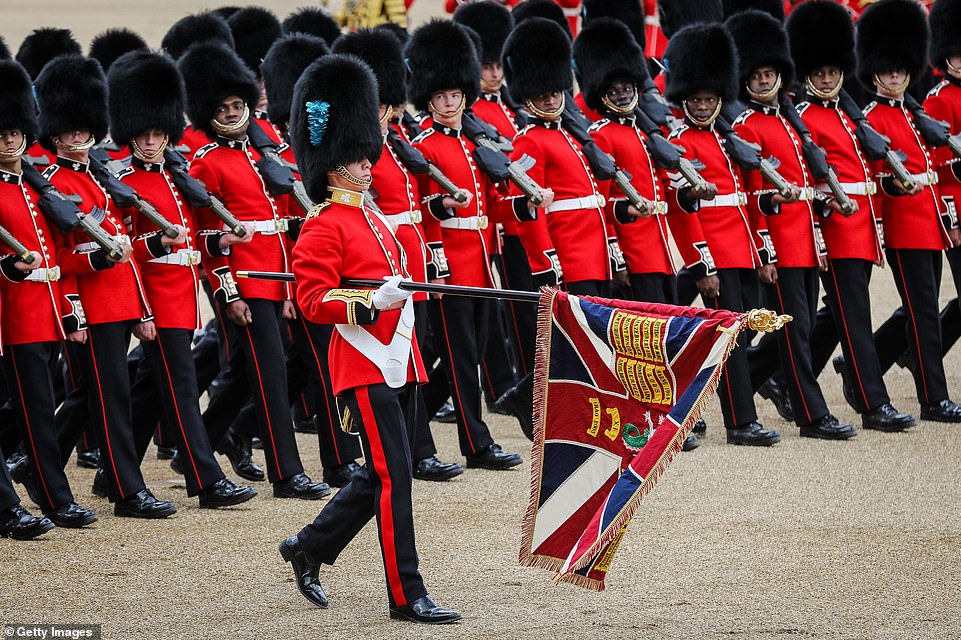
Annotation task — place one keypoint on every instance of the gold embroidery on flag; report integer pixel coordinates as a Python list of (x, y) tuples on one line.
[(640, 364), (605, 562)]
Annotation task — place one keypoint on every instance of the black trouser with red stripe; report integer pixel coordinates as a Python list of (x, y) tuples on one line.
[(738, 287), (522, 316), (460, 337), (796, 293), (654, 287), (107, 382), (917, 274), (262, 359), (384, 417), (29, 380), (73, 417), (846, 285), (422, 445), (175, 376)]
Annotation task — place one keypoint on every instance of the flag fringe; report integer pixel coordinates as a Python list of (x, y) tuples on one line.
[(543, 348), (627, 512), (580, 581)]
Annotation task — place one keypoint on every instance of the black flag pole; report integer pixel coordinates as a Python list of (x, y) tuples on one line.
[(448, 289)]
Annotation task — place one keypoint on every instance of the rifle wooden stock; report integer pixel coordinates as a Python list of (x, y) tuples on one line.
[(445, 183), (218, 209)]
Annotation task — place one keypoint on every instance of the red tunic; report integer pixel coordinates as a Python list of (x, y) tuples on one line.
[(491, 109), (792, 232), (579, 234), (193, 139), (227, 169), (33, 307), (339, 242), (714, 236), (910, 222), (467, 250), (109, 292), (644, 241), (397, 194), (944, 103)]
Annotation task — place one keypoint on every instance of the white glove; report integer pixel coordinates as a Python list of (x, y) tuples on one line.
[(390, 293)]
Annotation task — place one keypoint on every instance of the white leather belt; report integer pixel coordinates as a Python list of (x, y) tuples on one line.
[(571, 12), (90, 247), (181, 257), (268, 227), (807, 194), (473, 223), (928, 178), (853, 188), (736, 199), (405, 217), (44, 275), (656, 208), (592, 201)]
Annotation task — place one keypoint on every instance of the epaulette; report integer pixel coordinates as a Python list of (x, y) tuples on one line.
[(524, 130), (741, 119), (936, 89), (49, 171), (422, 135), (318, 209), (676, 133), (870, 107), (204, 150), (802, 107), (126, 171), (600, 124)]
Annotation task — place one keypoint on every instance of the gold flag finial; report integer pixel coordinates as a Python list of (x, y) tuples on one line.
[(766, 320)]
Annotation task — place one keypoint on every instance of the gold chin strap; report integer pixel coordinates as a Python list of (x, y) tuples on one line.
[(703, 123), (546, 115), (147, 157), (953, 70), (387, 114), (622, 110), (824, 95), (14, 154), (342, 171), (456, 113), (83, 146), (230, 128), (763, 97), (897, 91)]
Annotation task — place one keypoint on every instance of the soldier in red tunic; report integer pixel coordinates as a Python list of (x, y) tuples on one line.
[(373, 352), (892, 38), (444, 80), (38, 316), (220, 91), (146, 113), (790, 240), (714, 236), (72, 97)]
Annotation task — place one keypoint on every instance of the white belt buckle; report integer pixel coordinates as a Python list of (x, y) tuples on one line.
[(193, 258), (870, 188), (280, 225), (660, 208), (599, 199), (416, 217), (741, 198), (481, 223)]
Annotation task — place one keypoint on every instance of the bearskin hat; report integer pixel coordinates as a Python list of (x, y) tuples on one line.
[(821, 33), (282, 66), (43, 45), (701, 57), (225, 12), (441, 56), (109, 45), (674, 15), (4, 50), (381, 51), (891, 34), (212, 72), (71, 94), (18, 109), (773, 7), (945, 23), (334, 119), (542, 9), (194, 29), (146, 92), (604, 51), (493, 23), (537, 59), (315, 21), (761, 41), (254, 30), (627, 11)]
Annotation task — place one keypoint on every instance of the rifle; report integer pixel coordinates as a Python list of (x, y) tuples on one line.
[(816, 157), (416, 163), (66, 215), (16, 246), (666, 155), (748, 157), (934, 132), (275, 171), (125, 196), (503, 144), (196, 193), (498, 166), (875, 146)]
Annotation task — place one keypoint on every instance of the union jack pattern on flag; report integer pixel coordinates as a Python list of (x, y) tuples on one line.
[(618, 387)]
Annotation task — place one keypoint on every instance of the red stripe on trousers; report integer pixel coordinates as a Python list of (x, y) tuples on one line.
[(103, 412), (790, 352), (263, 395), (453, 374), (180, 422), (26, 419), (323, 384), (914, 326)]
